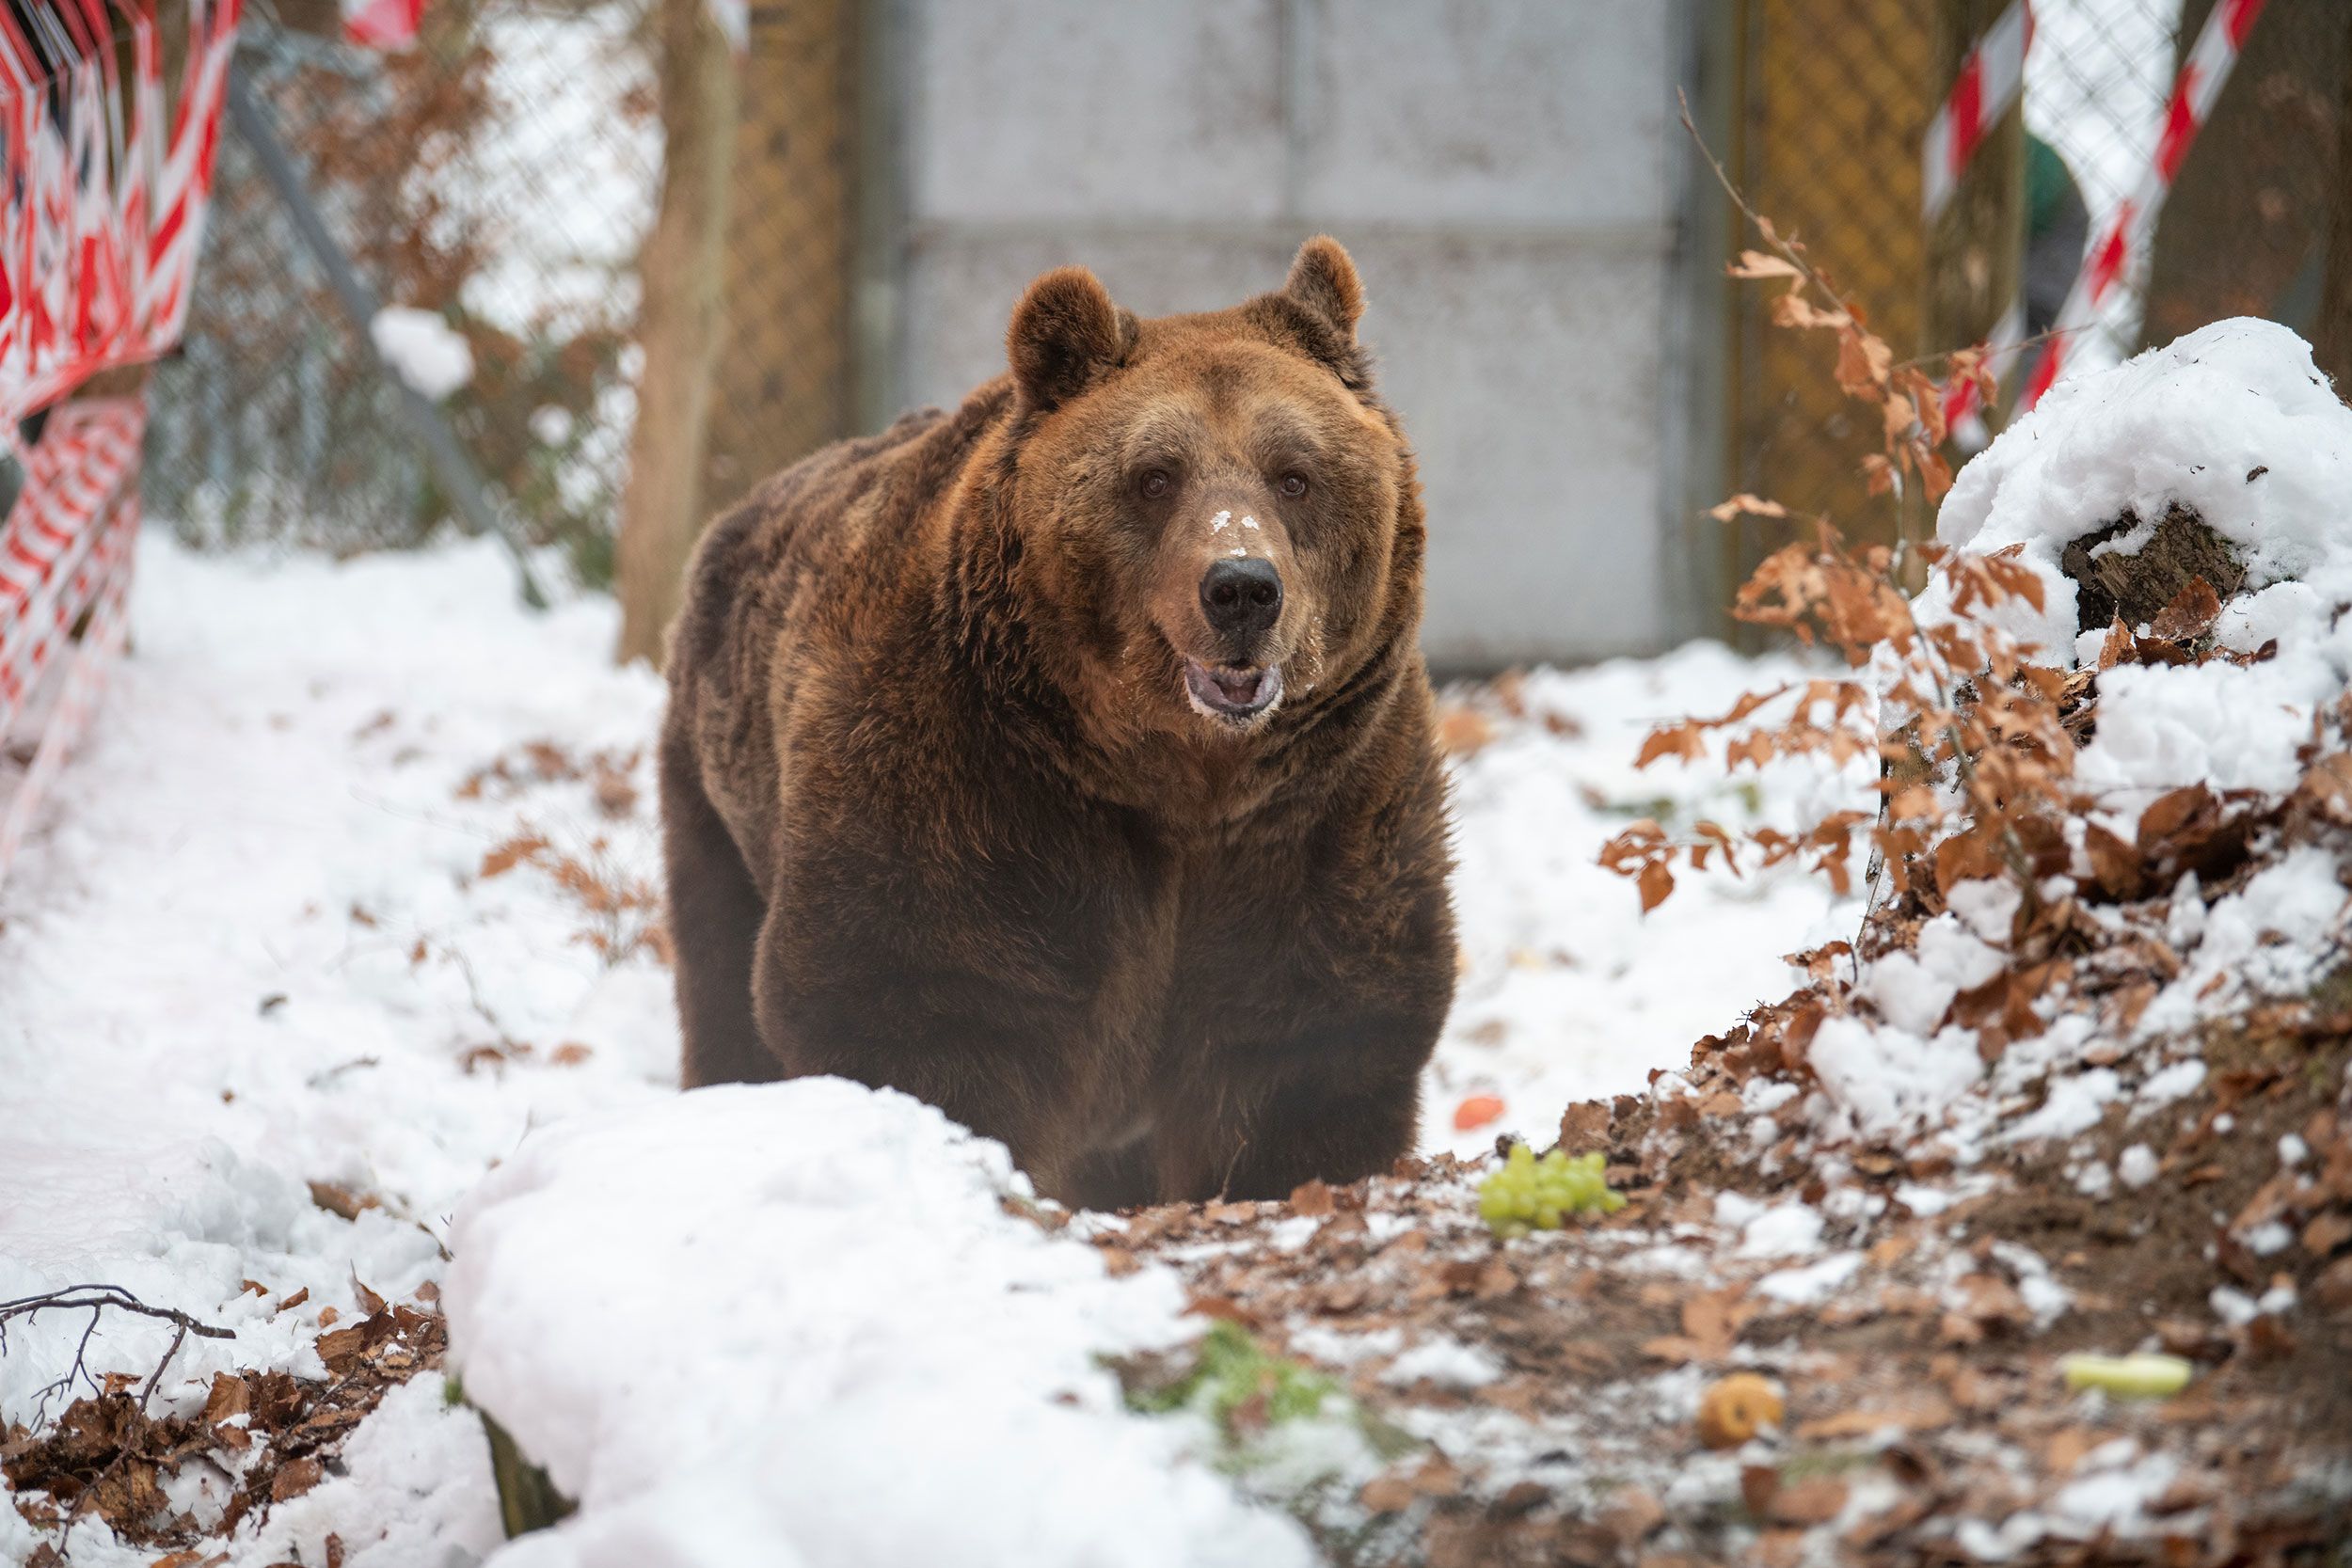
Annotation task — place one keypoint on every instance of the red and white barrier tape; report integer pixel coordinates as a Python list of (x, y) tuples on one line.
[(101, 645), (2121, 247), (1963, 411), (102, 206), (382, 24), (50, 536), (66, 552), (1989, 81), (103, 197)]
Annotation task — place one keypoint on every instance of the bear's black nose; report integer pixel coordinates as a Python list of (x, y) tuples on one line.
[(1242, 597)]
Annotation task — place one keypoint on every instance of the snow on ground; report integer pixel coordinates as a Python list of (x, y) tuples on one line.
[(1570, 993), (764, 1358), (266, 941), (252, 951)]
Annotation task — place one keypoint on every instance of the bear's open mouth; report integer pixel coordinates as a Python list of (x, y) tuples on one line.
[(1221, 692)]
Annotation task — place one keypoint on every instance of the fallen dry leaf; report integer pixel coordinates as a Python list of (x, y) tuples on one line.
[(293, 1480)]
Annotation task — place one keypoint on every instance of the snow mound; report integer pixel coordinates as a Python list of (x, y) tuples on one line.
[(797, 1324), (2233, 421)]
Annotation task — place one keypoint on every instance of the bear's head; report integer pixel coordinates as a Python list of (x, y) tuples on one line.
[(1217, 520)]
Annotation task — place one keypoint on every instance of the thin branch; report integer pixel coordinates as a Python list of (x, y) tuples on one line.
[(114, 1296), (1787, 252), (2047, 335), (96, 1300)]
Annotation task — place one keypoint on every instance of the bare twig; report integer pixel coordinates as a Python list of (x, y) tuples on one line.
[(1791, 254), (96, 1300), (2048, 334)]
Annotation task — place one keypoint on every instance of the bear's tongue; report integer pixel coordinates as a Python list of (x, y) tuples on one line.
[(1240, 688), (1232, 693)]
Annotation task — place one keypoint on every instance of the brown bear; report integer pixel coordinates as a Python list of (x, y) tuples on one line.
[(1067, 761)]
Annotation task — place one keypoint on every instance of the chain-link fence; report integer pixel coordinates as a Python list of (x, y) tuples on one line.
[(492, 186), (496, 186), (1836, 100)]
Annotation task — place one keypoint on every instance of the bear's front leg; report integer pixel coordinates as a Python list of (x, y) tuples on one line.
[(990, 991), (1337, 1101)]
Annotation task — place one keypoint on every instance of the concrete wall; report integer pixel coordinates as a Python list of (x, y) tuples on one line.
[(1503, 171)]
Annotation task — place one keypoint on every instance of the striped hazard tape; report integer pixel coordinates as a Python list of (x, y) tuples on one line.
[(1991, 79), (104, 186), (102, 644), (1963, 408), (1984, 89), (65, 551), (2119, 249)]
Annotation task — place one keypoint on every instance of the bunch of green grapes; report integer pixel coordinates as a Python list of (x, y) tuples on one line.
[(1528, 1194)]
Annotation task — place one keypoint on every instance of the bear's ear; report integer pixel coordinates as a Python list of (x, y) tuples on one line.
[(1324, 281), (1065, 333)]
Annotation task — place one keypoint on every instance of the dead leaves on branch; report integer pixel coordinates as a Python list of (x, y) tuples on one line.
[(1909, 404), (1821, 593), (1977, 771), (1980, 749), (1979, 742)]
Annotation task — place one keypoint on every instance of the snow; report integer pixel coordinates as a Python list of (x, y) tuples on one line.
[(424, 350), (2234, 422), (1812, 1284), (1567, 991), (2169, 1084), (268, 809), (1889, 1079), (2118, 1495), (1776, 1230), (1913, 991), (2076, 1103), (1447, 1363), (807, 1293), (2276, 936)]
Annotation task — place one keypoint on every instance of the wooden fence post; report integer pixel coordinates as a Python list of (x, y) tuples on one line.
[(682, 277), (783, 373)]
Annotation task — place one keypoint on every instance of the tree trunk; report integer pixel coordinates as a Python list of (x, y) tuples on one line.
[(679, 326), (1976, 252), (2331, 334), (783, 379), (2246, 227)]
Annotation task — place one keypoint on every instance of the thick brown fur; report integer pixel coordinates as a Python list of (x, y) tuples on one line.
[(941, 816)]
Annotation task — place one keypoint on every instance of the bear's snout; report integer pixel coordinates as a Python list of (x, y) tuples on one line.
[(1242, 600)]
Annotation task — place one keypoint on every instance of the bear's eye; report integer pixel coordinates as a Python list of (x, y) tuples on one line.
[(1294, 485), (1154, 483)]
